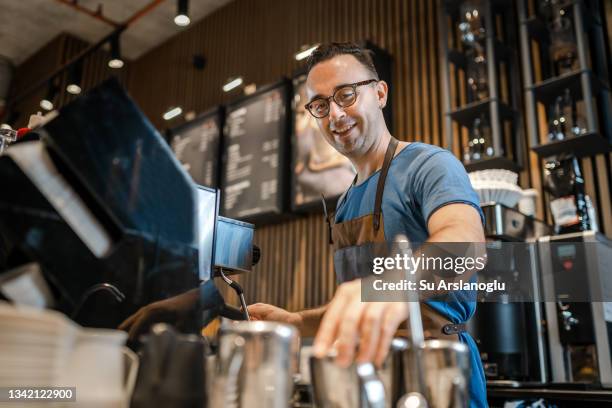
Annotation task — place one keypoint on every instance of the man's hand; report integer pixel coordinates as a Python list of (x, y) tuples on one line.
[(171, 310), (349, 323), (264, 311)]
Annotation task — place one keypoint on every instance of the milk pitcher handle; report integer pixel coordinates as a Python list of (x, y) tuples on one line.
[(372, 387), (130, 378)]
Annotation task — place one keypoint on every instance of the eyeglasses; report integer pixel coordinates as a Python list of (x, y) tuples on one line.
[(344, 97)]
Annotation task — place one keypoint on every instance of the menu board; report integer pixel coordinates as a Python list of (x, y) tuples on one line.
[(317, 167), (253, 173), (196, 145)]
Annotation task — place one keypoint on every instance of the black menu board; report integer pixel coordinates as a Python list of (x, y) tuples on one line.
[(317, 167), (254, 159), (197, 146)]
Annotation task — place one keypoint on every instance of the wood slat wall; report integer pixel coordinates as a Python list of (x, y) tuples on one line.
[(257, 40)]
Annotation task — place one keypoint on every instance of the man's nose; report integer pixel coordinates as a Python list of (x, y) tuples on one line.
[(335, 112)]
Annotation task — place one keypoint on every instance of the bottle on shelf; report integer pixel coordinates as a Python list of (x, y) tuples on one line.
[(564, 182)]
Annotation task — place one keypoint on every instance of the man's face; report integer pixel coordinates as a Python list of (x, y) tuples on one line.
[(350, 130)]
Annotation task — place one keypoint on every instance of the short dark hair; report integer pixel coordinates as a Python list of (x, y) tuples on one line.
[(328, 51)]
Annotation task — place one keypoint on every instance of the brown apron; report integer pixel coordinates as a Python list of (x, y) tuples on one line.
[(353, 242)]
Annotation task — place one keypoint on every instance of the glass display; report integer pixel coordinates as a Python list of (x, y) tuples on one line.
[(478, 84), (473, 33), (566, 120), (472, 22), (480, 145), (563, 48)]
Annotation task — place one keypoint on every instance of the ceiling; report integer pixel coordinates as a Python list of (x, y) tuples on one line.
[(27, 25)]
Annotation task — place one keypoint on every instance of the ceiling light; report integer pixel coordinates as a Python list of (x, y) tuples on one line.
[(182, 17), (75, 72), (47, 102), (115, 61), (234, 83), (173, 113), (305, 53)]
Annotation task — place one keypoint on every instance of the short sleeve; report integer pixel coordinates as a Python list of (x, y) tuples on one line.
[(441, 180)]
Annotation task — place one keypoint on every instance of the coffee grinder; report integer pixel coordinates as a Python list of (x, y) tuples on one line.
[(577, 285), (508, 326)]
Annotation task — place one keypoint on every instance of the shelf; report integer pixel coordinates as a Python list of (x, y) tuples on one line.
[(588, 144), (493, 163), (548, 90), (467, 113)]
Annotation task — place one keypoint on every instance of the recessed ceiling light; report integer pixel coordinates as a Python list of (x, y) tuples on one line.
[(173, 113), (234, 83)]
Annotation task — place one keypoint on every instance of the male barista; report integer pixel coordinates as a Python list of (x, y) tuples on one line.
[(414, 189)]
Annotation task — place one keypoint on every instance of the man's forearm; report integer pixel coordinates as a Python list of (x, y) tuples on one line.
[(311, 319)]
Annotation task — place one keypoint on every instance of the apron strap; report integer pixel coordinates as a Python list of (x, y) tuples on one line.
[(381, 181)]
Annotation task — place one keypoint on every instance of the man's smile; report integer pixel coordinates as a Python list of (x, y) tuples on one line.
[(343, 130)]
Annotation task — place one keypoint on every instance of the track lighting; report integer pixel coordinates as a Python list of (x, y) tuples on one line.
[(75, 72), (182, 16), (115, 61), (47, 102)]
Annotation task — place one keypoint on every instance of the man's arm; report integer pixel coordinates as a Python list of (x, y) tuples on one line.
[(307, 321), (373, 324), (455, 223)]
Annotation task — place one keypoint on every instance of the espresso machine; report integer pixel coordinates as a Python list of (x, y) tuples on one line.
[(111, 218), (577, 288), (508, 327)]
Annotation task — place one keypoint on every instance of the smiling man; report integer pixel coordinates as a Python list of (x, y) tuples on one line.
[(414, 189)]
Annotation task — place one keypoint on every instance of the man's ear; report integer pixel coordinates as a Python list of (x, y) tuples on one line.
[(382, 90)]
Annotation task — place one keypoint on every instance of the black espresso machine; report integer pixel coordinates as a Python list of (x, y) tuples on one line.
[(109, 216)]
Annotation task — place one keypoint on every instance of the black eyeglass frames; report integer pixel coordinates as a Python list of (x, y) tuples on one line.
[(344, 97)]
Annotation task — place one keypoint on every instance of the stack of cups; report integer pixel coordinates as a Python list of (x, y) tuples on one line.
[(35, 347)]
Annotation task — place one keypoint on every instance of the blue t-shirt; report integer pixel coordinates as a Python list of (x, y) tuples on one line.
[(423, 178)]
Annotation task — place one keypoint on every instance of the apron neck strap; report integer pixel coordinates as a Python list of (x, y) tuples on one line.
[(381, 181)]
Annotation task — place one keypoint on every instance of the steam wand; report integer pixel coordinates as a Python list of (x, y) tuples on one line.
[(239, 292)]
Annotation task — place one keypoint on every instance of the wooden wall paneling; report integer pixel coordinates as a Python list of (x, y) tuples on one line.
[(414, 55), (424, 100), (323, 243), (409, 72), (380, 26), (434, 74), (395, 90)]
